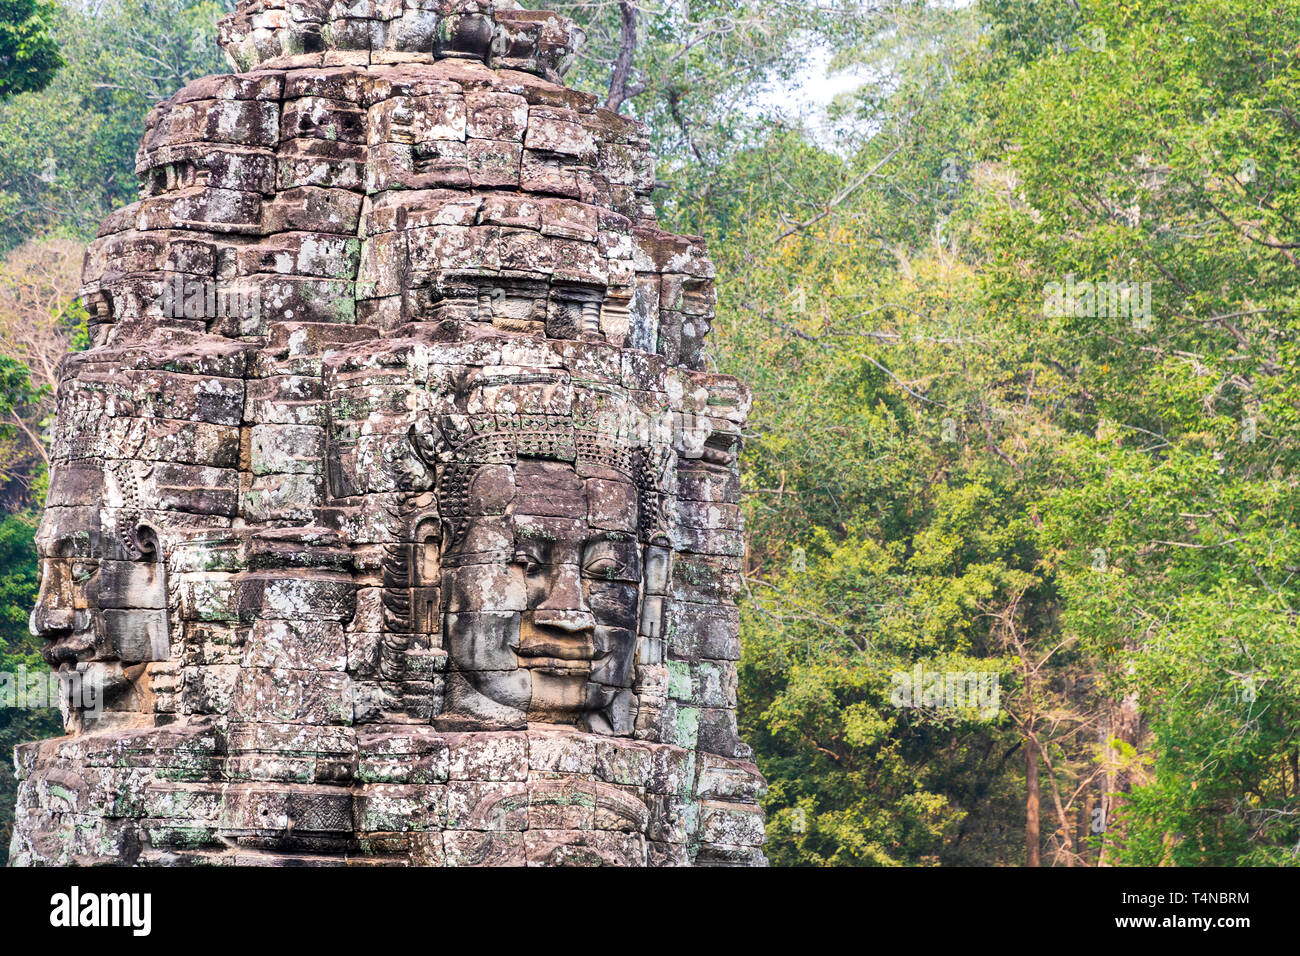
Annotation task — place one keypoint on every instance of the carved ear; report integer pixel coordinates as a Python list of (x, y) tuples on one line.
[(144, 542)]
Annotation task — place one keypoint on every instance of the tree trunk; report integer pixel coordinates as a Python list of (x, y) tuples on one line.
[(619, 91), (1031, 803)]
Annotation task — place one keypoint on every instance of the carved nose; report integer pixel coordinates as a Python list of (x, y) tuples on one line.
[(564, 608), (47, 621), (53, 614)]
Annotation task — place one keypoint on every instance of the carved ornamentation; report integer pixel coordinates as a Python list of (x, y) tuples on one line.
[(393, 507)]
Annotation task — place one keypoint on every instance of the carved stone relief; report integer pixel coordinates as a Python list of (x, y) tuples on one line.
[(393, 508)]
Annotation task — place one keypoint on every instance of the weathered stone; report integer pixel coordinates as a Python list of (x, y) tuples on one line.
[(476, 848), (393, 514)]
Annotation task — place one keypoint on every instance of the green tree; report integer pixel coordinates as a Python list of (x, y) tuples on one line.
[(67, 152), (29, 54), (887, 527), (19, 652), (1165, 153)]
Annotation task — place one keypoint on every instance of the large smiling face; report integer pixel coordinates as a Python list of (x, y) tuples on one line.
[(543, 590)]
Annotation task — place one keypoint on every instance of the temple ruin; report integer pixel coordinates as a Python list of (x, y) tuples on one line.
[(394, 509)]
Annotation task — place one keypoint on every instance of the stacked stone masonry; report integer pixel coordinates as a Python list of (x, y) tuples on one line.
[(394, 513)]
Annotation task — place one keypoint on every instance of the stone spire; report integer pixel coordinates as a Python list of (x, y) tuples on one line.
[(393, 512)]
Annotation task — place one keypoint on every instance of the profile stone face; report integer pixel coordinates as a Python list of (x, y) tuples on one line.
[(393, 512)]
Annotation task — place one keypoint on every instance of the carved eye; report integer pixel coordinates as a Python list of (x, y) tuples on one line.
[(611, 560), (81, 573), (63, 547), (603, 567), (529, 561)]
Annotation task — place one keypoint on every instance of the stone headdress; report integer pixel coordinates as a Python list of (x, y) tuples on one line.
[(456, 446)]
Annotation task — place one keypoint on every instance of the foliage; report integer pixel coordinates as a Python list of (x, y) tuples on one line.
[(29, 55), (903, 359), (1169, 156), (41, 318), (67, 152), (18, 585)]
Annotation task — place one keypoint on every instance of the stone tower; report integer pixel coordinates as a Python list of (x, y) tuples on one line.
[(394, 512)]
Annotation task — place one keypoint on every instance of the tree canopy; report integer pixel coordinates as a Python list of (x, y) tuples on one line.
[(29, 54)]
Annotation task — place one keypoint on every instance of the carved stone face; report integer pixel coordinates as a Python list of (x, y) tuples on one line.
[(102, 606), (393, 366), (543, 590), (65, 610)]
